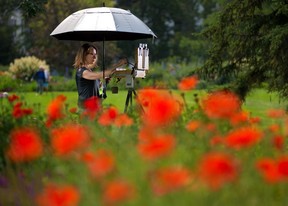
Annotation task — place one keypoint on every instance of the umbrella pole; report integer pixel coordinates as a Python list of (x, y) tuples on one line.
[(103, 60), (103, 70)]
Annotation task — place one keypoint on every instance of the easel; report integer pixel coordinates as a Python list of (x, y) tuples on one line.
[(130, 85), (138, 71), (129, 97)]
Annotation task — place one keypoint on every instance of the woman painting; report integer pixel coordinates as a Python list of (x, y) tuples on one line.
[(87, 80)]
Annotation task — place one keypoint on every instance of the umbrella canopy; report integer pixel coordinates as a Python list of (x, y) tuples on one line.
[(102, 24)]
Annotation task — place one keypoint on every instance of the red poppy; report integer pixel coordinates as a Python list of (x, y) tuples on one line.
[(161, 108), (25, 145), (19, 112), (170, 179), (55, 195), (92, 106), (55, 109), (118, 191), (221, 104), (188, 83), (146, 134), (99, 163), (216, 169), (268, 169), (27, 111), (157, 147), (238, 118), (123, 120), (146, 95), (273, 170), (211, 127), (73, 110), (274, 128), (282, 166), (108, 116), (243, 137), (12, 98), (216, 140), (276, 113), (285, 127), (69, 138), (278, 142), (193, 125), (254, 120)]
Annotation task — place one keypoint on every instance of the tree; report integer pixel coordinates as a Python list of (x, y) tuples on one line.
[(172, 21), (10, 46), (8, 50), (28, 7), (249, 42), (58, 54)]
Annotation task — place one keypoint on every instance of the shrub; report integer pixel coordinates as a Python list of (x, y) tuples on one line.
[(27, 87), (7, 84), (59, 83), (25, 67)]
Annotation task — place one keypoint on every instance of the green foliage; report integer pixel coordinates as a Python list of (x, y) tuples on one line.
[(32, 7), (8, 84), (59, 83), (24, 68), (191, 49), (29, 7), (25, 86), (249, 43), (8, 50), (174, 23), (12, 25), (6, 124), (3, 68), (167, 74)]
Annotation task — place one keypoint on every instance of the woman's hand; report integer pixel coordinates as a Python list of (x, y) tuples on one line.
[(123, 61)]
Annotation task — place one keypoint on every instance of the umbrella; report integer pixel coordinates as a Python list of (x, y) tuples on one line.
[(102, 24)]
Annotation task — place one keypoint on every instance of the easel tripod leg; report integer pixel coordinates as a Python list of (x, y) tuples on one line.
[(128, 100)]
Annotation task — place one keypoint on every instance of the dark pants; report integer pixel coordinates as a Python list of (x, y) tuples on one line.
[(40, 83)]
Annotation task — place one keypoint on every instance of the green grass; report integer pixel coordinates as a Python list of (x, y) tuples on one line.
[(33, 99), (257, 102)]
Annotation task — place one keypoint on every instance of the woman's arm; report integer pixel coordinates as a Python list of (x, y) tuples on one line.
[(108, 72), (119, 64), (92, 75)]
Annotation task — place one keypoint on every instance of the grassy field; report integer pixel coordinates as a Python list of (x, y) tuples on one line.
[(257, 102)]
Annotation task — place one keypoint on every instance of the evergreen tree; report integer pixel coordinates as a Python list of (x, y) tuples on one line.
[(248, 42)]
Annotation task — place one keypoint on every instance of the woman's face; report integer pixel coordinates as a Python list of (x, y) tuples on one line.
[(91, 56)]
